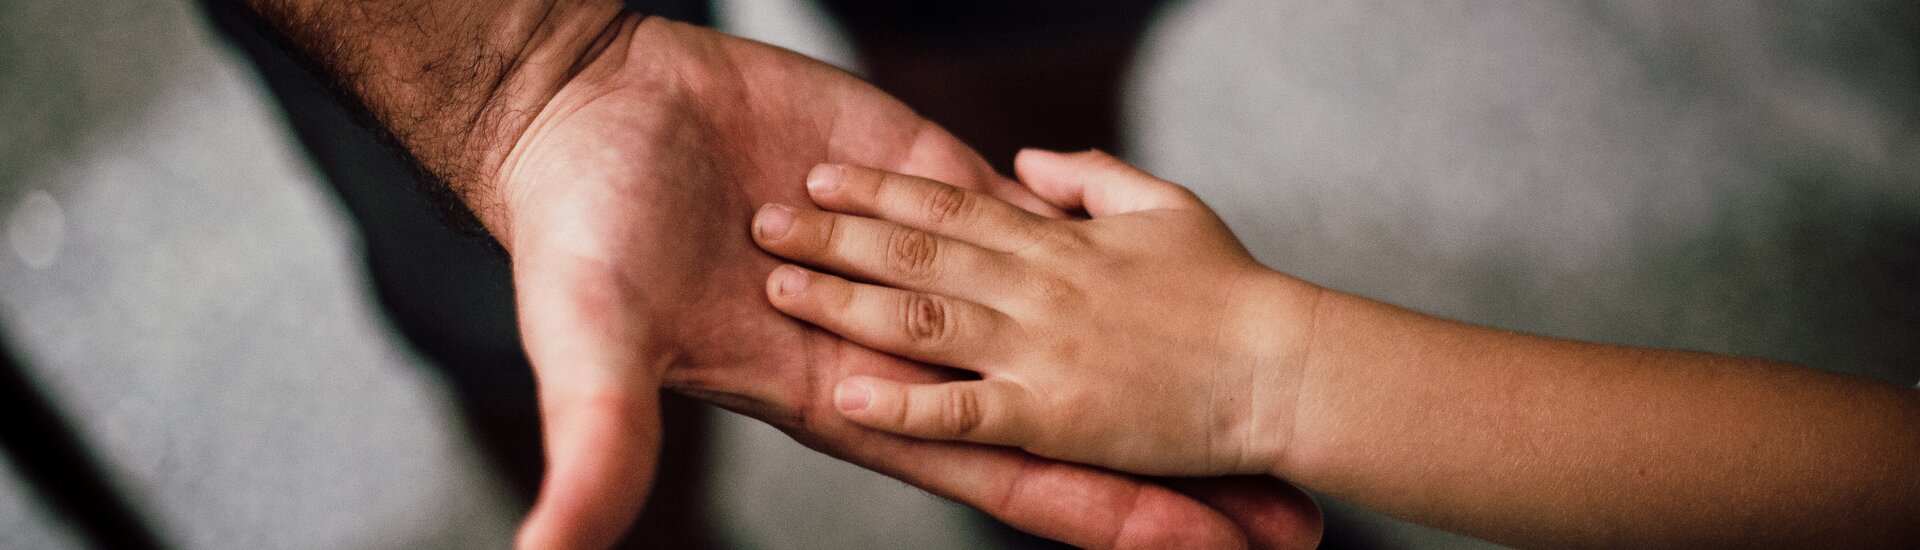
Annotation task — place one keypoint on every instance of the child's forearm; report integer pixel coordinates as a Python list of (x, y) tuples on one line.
[(1093, 344), (1542, 442)]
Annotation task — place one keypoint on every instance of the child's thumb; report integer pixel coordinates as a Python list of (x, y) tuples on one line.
[(1097, 183)]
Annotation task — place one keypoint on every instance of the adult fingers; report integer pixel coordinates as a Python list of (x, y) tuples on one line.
[(1097, 183), (1274, 513), (1079, 505), (995, 412), (926, 327), (923, 204)]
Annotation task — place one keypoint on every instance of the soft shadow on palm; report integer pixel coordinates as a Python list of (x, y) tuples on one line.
[(631, 197)]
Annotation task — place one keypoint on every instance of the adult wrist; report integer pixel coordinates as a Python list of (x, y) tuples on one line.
[(551, 49), (454, 83)]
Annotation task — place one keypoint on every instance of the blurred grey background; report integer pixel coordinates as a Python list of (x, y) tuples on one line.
[(1738, 176)]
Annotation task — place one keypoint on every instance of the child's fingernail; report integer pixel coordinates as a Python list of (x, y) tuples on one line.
[(853, 396), (773, 221), (825, 178), (789, 280)]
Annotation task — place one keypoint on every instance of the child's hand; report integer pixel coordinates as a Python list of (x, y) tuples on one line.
[(1146, 339)]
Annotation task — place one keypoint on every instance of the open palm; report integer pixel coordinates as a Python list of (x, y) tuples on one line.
[(626, 208)]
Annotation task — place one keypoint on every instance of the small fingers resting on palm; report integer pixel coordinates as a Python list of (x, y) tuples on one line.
[(1096, 341)]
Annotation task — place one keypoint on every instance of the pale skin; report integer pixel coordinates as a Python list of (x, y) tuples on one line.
[(1147, 339)]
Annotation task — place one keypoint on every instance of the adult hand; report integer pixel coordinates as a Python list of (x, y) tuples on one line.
[(625, 206)]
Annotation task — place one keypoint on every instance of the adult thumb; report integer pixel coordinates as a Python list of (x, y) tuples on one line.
[(601, 454), (599, 409)]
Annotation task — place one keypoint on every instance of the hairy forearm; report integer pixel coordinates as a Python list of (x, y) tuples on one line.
[(454, 82), (1543, 442)]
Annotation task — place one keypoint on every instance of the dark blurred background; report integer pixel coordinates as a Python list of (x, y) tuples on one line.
[(236, 323)]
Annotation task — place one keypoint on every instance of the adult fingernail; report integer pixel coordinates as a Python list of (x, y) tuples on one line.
[(773, 221), (852, 396), (825, 178), (789, 280)]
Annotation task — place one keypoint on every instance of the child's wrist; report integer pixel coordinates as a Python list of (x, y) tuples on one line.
[(1321, 367), (1282, 328)]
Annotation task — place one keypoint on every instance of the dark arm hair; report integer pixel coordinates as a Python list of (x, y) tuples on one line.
[(452, 83)]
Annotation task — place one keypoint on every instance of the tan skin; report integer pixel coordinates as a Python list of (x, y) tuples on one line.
[(611, 312), (619, 159), (1146, 339)]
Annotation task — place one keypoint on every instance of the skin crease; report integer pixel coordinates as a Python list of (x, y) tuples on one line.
[(1106, 351), (624, 206)]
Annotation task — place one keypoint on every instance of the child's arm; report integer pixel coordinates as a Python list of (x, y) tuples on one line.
[(1148, 340)]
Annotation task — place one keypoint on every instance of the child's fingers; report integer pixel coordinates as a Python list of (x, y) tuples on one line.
[(1097, 183), (923, 204), (926, 327), (881, 251), (987, 411)]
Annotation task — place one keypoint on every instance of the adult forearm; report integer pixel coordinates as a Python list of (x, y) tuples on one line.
[(455, 82), (1544, 442)]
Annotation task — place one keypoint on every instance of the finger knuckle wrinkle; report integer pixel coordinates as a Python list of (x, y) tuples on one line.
[(911, 252), (927, 320), (961, 416), (948, 205)]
